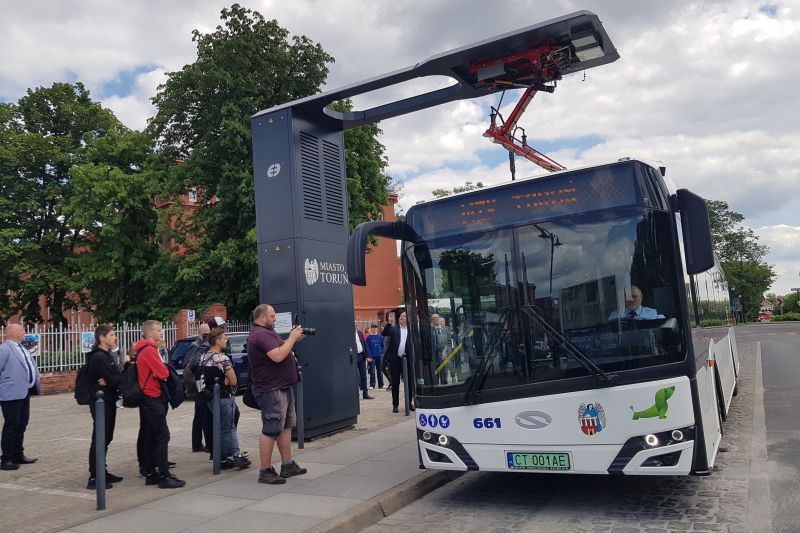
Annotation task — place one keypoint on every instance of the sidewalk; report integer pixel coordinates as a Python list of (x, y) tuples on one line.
[(367, 471), (341, 478)]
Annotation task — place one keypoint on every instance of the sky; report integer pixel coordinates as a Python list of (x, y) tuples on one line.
[(707, 89)]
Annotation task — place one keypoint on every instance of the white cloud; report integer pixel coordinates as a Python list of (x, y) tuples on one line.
[(784, 243), (706, 88), (134, 109)]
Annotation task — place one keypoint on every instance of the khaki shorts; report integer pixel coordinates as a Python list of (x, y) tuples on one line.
[(277, 411)]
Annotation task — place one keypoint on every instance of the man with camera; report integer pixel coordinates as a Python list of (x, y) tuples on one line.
[(273, 373)]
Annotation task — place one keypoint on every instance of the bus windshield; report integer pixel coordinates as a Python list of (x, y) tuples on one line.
[(589, 294)]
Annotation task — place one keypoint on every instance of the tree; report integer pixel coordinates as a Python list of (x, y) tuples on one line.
[(741, 256), (112, 199), (732, 241), (203, 118), (53, 143), (468, 186)]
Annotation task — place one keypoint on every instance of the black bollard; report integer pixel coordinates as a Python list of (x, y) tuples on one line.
[(298, 398), (216, 427), (405, 383), (100, 450)]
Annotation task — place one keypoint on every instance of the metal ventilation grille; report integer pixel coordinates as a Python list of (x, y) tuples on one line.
[(311, 177), (334, 199)]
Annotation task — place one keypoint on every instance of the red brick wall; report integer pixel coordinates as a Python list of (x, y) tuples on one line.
[(384, 284), (55, 382)]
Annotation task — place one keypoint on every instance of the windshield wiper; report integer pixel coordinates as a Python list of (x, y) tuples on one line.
[(472, 396), (603, 379)]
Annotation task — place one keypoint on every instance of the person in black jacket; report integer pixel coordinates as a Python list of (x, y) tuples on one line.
[(201, 422), (399, 346), (103, 374)]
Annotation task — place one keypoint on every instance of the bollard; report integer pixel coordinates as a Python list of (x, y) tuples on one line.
[(216, 427), (100, 450), (405, 383), (298, 399)]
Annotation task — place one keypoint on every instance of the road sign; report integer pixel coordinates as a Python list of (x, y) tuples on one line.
[(779, 302), (190, 315)]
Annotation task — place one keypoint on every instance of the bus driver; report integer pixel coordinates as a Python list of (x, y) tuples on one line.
[(634, 310)]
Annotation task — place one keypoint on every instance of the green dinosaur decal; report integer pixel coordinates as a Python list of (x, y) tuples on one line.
[(659, 409)]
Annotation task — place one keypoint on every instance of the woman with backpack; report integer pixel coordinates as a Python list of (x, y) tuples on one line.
[(216, 364)]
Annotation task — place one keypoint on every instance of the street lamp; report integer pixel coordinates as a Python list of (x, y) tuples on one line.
[(554, 242)]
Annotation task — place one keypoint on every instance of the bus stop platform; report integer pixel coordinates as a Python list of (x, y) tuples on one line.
[(350, 485)]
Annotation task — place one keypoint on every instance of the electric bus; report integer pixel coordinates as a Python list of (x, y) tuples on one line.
[(581, 325)]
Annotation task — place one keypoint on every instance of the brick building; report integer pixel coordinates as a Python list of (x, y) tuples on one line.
[(384, 287)]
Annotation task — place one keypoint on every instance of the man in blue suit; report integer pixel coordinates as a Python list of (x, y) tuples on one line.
[(19, 379)]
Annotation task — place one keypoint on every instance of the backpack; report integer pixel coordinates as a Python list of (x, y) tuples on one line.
[(132, 394), (82, 393), (191, 372)]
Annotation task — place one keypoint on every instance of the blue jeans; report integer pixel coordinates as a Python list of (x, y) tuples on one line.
[(374, 368), (229, 440)]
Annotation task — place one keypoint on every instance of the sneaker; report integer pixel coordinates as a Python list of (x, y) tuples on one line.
[(151, 479), (170, 482), (111, 478), (227, 464), (171, 464), (92, 484), (368, 397), (270, 477), (395, 410), (241, 462), (142, 474), (292, 469)]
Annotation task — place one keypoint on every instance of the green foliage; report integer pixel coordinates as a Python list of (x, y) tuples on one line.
[(713, 322), (786, 317), (203, 118), (112, 200), (69, 191), (741, 256), (468, 186)]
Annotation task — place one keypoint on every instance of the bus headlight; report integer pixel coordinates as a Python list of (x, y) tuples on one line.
[(651, 440), (443, 440), (426, 435), (677, 435)]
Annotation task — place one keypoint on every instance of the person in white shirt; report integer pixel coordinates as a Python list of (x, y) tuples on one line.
[(634, 310), (19, 380), (361, 360), (399, 347)]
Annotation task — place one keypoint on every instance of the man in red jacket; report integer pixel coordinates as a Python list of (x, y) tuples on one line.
[(151, 372)]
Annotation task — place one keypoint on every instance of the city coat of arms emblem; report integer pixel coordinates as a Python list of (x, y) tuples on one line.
[(592, 418), (312, 271)]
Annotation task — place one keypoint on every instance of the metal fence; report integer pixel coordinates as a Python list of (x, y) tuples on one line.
[(59, 348)]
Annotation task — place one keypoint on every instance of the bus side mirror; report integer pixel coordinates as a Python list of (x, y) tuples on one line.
[(357, 245), (696, 232)]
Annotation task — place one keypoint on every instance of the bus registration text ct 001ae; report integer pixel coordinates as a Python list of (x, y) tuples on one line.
[(538, 461)]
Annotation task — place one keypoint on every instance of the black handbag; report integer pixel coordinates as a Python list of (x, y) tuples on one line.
[(249, 399)]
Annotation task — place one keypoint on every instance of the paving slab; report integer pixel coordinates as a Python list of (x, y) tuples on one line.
[(311, 505)]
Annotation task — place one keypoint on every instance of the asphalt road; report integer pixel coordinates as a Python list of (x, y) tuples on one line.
[(754, 487), (780, 363)]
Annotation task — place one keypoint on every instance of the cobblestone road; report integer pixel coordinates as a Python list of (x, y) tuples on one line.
[(499, 502), (50, 495)]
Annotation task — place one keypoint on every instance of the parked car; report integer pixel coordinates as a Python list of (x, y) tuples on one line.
[(236, 350)]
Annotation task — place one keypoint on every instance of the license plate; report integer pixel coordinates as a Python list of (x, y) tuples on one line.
[(538, 461)]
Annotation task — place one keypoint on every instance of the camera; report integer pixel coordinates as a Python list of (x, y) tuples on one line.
[(309, 331)]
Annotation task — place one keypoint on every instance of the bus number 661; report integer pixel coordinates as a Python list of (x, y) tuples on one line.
[(487, 423)]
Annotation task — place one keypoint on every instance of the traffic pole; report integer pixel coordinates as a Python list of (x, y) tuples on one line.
[(216, 428), (100, 450), (301, 419), (405, 384)]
